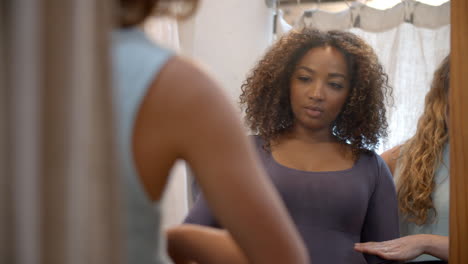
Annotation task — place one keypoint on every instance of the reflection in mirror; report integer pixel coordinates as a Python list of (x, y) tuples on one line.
[(316, 104), (411, 39)]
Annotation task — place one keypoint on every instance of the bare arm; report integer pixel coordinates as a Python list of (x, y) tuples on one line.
[(437, 246), (185, 115), (199, 244), (390, 157), (408, 247)]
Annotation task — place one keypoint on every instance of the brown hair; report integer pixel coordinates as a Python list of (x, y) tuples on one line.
[(422, 154), (265, 92), (134, 12)]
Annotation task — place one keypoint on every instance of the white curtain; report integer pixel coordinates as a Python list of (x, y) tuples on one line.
[(164, 30), (411, 39), (59, 199)]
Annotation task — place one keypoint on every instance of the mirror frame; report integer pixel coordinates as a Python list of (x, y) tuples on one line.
[(458, 133)]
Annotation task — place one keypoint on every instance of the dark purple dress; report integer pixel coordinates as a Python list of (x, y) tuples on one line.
[(331, 210)]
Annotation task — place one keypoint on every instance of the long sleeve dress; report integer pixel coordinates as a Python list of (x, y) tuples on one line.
[(332, 210)]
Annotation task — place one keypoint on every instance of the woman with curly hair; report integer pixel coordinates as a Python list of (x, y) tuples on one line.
[(316, 104), (162, 117), (421, 172)]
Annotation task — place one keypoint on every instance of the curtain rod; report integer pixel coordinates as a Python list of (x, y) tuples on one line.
[(271, 3)]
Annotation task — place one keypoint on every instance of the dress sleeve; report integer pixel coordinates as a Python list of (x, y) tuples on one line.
[(381, 222), (200, 214)]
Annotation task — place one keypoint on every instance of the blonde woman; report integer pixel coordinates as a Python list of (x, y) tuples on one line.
[(421, 172)]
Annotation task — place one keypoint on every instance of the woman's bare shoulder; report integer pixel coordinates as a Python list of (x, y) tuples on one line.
[(182, 77), (391, 156)]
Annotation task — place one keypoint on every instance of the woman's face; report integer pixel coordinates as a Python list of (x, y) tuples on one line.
[(319, 87)]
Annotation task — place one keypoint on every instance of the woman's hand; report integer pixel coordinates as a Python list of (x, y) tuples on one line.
[(406, 248)]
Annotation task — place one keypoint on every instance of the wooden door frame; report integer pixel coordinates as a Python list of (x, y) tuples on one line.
[(459, 133)]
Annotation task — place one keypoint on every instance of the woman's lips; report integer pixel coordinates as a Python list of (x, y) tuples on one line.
[(314, 111)]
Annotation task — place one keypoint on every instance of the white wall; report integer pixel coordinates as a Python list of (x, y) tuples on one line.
[(228, 36)]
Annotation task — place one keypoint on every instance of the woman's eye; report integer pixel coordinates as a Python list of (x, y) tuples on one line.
[(303, 78), (336, 85)]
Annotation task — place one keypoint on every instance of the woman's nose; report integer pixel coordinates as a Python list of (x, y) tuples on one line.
[(316, 91)]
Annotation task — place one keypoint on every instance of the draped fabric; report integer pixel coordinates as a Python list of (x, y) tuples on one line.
[(410, 39), (369, 19), (59, 196)]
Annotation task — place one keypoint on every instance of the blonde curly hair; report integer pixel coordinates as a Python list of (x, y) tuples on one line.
[(422, 154)]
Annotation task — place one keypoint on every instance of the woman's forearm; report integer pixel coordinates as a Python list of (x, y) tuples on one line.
[(177, 246), (437, 246), (407, 247), (189, 244)]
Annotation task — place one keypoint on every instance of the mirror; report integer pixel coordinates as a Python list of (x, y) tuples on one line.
[(231, 46)]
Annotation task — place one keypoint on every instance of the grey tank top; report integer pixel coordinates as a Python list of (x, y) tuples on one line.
[(136, 63), (440, 198)]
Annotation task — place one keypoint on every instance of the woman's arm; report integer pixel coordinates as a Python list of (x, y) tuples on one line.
[(381, 221), (193, 243), (408, 247), (390, 157), (194, 121)]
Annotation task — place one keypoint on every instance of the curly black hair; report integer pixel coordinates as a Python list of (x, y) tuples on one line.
[(266, 91)]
